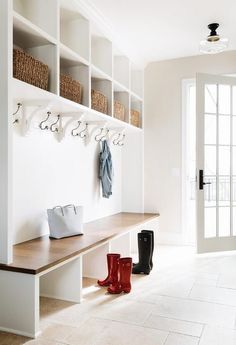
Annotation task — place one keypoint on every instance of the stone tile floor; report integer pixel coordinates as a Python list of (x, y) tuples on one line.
[(188, 299)]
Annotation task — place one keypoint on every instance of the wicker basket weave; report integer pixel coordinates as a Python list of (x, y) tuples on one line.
[(99, 101), (135, 118), (30, 70), (119, 110), (70, 88)]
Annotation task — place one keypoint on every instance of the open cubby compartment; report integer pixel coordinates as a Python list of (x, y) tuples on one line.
[(122, 70), (78, 71), (105, 87), (123, 97), (41, 49), (101, 53), (137, 82), (137, 104), (75, 32), (43, 13)]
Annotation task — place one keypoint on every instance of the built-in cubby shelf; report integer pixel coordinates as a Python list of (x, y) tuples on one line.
[(74, 32), (42, 13), (122, 70), (137, 82), (101, 54), (65, 39), (124, 98)]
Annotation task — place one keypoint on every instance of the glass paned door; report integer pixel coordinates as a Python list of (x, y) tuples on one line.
[(216, 163)]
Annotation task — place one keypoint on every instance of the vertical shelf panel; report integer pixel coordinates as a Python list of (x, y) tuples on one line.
[(6, 169), (75, 32), (43, 13)]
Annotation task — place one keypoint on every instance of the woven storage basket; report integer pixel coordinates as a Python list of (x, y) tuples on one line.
[(119, 110), (99, 101), (135, 118), (30, 70), (70, 88)]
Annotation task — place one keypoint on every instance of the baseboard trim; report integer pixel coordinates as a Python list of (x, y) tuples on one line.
[(25, 334), (171, 238)]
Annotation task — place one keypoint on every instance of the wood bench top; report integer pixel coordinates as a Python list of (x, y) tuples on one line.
[(42, 253)]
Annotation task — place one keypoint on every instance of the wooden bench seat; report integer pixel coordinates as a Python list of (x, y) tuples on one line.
[(40, 254), (55, 268)]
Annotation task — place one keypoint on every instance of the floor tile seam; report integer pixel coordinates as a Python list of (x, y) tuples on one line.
[(192, 299), (140, 325), (176, 319)]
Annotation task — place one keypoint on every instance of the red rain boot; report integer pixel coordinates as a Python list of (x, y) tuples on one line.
[(124, 284), (112, 265)]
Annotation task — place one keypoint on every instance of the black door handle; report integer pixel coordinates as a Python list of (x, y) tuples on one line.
[(201, 180)]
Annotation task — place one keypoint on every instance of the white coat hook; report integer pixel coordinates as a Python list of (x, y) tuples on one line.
[(74, 132), (42, 124), (84, 133), (121, 141), (116, 140)]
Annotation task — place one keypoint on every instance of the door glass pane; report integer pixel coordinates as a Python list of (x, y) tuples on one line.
[(224, 221), (224, 130), (234, 131), (210, 160), (234, 160), (224, 190), (234, 190), (234, 100), (210, 222), (224, 99), (224, 160), (210, 129), (210, 98), (234, 221), (210, 191)]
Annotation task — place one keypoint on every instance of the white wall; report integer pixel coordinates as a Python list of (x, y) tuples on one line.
[(47, 173), (162, 134)]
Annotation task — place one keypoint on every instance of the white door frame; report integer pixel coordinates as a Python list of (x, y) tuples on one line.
[(186, 83), (215, 243)]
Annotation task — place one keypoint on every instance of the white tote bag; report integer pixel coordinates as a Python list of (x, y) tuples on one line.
[(65, 221)]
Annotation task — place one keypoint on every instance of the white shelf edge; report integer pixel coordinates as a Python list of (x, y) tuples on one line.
[(133, 94), (73, 54), (34, 95), (34, 29), (121, 86), (100, 73)]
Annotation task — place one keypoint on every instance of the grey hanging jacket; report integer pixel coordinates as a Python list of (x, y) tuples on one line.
[(106, 169)]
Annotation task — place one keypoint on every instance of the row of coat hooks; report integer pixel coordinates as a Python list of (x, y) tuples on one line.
[(82, 129)]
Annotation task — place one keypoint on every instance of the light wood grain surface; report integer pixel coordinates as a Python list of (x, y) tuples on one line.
[(39, 254)]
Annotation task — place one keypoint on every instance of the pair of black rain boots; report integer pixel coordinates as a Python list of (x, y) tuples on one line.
[(145, 251)]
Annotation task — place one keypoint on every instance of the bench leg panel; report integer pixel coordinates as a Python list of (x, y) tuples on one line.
[(63, 283), (19, 303), (95, 262)]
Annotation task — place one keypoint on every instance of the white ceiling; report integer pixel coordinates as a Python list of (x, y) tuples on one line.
[(152, 30)]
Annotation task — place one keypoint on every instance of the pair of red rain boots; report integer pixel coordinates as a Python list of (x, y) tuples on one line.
[(119, 274)]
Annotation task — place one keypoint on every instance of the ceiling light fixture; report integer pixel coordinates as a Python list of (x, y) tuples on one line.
[(213, 44)]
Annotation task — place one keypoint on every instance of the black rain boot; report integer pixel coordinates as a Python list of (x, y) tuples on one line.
[(144, 251), (152, 234)]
